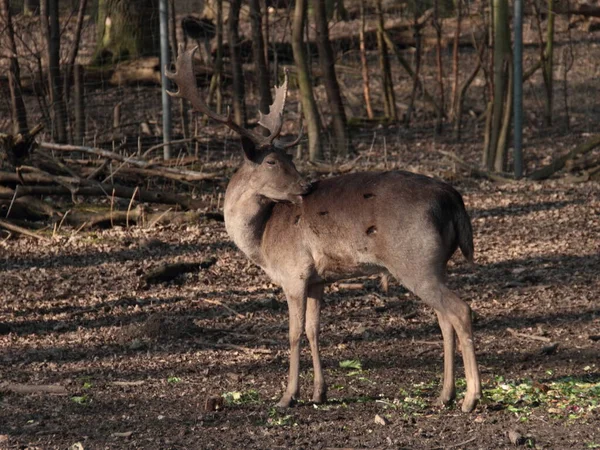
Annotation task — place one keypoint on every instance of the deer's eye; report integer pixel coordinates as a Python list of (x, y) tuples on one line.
[(270, 162)]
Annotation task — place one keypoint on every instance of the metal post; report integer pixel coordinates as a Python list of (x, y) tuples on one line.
[(163, 10), (518, 88)]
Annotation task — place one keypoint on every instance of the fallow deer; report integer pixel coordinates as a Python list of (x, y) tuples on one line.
[(307, 235)]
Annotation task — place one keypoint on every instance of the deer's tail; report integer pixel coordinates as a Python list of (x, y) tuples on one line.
[(464, 230)]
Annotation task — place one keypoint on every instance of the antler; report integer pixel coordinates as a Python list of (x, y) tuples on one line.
[(185, 80)]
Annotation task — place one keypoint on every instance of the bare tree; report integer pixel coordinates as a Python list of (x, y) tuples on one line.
[(239, 94), (332, 88), (307, 99), (389, 98), (51, 31), (500, 112), (258, 54), (18, 111), (363, 62)]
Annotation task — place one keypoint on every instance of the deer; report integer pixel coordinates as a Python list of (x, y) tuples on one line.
[(308, 235)]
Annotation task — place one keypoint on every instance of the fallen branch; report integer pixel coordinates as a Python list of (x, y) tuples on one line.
[(228, 308), (168, 272), (182, 174), (528, 336), (54, 389), (556, 165), (108, 190), (503, 178), (24, 231)]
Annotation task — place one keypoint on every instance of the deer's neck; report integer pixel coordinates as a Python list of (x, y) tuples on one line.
[(246, 214)]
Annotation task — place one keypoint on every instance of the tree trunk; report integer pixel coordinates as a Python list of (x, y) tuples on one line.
[(495, 152), (18, 111), (127, 29), (31, 7), (309, 106), (215, 82), (332, 88), (549, 63), (456, 61), (51, 32), (258, 53), (389, 97), (363, 62), (68, 75), (437, 24), (413, 95), (239, 106)]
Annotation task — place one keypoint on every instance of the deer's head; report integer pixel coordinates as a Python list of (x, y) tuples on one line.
[(268, 169)]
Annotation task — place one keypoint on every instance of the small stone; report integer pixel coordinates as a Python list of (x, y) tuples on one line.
[(380, 420), (515, 438)]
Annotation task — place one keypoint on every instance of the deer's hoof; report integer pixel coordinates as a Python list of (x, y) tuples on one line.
[(446, 398), (319, 397), (470, 402), (286, 401)]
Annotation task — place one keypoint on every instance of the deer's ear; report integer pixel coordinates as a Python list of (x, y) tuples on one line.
[(250, 150)]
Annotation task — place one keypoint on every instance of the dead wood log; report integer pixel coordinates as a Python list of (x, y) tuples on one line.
[(136, 216), (556, 165), (18, 148), (503, 178), (54, 389), (168, 172), (168, 272), (108, 190), (20, 230)]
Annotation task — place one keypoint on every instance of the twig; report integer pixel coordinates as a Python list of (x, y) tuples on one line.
[(129, 207), (24, 231), (55, 389), (528, 336), (460, 444), (128, 383), (228, 308), (503, 178)]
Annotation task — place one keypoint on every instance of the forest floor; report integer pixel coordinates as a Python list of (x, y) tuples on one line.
[(136, 365), (139, 361)]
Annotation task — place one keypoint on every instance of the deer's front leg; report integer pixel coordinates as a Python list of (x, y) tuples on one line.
[(296, 300), (313, 320)]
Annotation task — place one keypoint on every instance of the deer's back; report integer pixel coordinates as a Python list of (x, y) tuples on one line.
[(358, 223)]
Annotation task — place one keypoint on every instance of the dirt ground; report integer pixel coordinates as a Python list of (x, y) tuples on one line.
[(140, 363), (77, 313)]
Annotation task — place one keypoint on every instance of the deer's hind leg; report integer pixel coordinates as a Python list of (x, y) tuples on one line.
[(454, 316)]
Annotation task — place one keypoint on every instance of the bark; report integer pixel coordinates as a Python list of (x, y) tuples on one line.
[(239, 105), (68, 75), (51, 30), (258, 54), (332, 88), (456, 62), (548, 65), (309, 106), (389, 97), (215, 82), (18, 111), (437, 24), (126, 29), (495, 152), (363, 62), (413, 96)]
